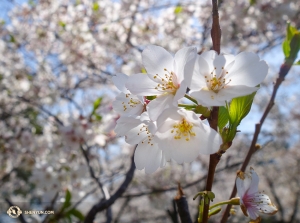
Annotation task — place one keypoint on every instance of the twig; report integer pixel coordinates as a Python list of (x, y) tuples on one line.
[(284, 69), (102, 205)]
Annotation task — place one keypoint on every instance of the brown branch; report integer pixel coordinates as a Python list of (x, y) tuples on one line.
[(182, 205), (104, 204), (284, 69), (213, 121), (216, 30)]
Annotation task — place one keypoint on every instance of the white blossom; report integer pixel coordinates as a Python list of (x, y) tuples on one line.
[(220, 78), (167, 77), (182, 136)]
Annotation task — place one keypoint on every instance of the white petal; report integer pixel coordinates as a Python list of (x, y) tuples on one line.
[(218, 63), (243, 183), (211, 141), (253, 213), (184, 63), (180, 150), (230, 92), (119, 80), (253, 188), (201, 69), (180, 93), (229, 59), (247, 70), (264, 204), (207, 98), (156, 59), (124, 106), (209, 57), (130, 127), (142, 85), (158, 105), (148, 156)]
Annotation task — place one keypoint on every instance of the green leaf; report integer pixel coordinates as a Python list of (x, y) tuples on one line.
[(291, 44), (98, 117), (297, 63), (97, 103), (286, 48), (62, 24), (67, 202), (223, 117), (96, 6), (239, 108), (12, 38), (252, 2), (294, 46), (178, 9), (290, 31), (77, 214)]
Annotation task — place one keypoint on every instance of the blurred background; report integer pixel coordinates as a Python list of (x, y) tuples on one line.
[(58, 148)]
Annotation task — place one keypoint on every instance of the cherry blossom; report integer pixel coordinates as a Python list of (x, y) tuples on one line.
[(182, 136), (253, 202), (167, 77), (125, 102), (140, 130), (219, 78)]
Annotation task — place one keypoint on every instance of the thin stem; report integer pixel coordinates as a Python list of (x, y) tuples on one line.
[(191, 99), (186, 106), (234, 201), (284, 69)]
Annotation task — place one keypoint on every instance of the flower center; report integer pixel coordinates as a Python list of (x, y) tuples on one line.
[(183, 129), (168, 83), (149, 137), (216, 84), (132, 102)]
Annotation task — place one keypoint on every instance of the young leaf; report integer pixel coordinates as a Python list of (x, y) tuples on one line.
[(77, 214), (96, 6), (67, 202), (223, 117), (286, 48), (178, 9), (239, 108), (97, 103), (294, 46)]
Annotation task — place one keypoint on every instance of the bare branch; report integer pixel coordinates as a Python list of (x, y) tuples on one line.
[(104, 204)]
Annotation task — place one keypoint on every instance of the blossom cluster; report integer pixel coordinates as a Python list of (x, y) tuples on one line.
[(151, 109)]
